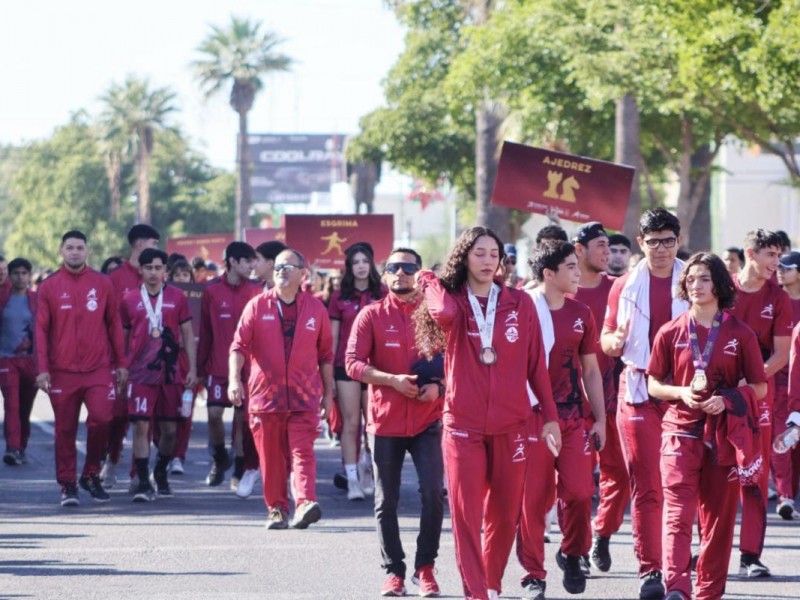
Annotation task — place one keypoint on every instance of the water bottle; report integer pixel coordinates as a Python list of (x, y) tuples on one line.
[(787, 440), (186, 403)]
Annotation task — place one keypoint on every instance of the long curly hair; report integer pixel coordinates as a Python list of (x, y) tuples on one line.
[(430, 338), (348, 284)]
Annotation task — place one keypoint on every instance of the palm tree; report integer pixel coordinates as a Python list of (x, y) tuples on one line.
[(239, 55), (132, 116)]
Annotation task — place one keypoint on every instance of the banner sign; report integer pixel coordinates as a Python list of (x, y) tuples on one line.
[(194, 296), (255, 236), (209, 246), (574, 188), (322, 239), (288, 168)]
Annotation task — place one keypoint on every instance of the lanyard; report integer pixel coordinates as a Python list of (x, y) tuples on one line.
[(485, 324), (154, 315), (701, 361)]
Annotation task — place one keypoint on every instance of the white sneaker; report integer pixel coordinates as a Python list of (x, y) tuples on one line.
[(365, 477), (354, 491), (786, 509), (108, 474), (493, 595), (246, 483), (176, 467)]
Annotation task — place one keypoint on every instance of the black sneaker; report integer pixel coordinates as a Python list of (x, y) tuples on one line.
[(751, 567), (585, 566), (91, 484), (601, 557), (69, 494), (161, 482), (652, 586), (574, 580), (340, 481), (217, 473), (144, 492), (675, 595), (13, 458), (533, 589)]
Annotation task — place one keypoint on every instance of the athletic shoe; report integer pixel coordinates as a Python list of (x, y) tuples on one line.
[(393, 586), (69, 494), (234, 483), (91, 484), (585, 566), (786, 509), (13, 458), (160, 481), (772, 493), (307, 513), (423, 577), (600, 556), (108, 474), (533, 589), (144, 492), (24, 457), (354, 491), (751, 567), (176, 467), (652, 586), (340, 481), (675, 595), (133, 485), (277, 519), (493, 594), (246, 483), (574, 579), (695, 558), (365, 477), (217, 473)]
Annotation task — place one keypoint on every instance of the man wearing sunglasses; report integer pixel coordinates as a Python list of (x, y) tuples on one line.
[(639, 303), (405, 415), (767, 310), (286, 334)]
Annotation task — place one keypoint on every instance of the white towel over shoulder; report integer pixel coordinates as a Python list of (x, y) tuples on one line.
[(548, 332)]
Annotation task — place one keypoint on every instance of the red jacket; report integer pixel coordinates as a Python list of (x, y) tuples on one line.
[(275, 384), (78, 324), (382, 336), (125, 278), (490, 399), (220, 310)]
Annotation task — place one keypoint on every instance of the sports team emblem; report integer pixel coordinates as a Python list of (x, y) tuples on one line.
[(91, 300), (578, 325), (512, 334)]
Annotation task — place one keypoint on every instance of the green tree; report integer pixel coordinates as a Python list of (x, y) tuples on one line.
[(132, 115), (240, 56)]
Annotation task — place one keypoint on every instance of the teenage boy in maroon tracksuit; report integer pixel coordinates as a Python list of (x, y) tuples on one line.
[(78, 341), (404, 415), (289, 388), (573, 368)]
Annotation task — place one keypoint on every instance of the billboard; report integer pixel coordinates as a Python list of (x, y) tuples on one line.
[(574, 188), (209, 246), (289, 168)]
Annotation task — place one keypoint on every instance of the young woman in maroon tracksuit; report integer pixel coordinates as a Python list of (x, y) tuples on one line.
[(697, 362), (494, 364)]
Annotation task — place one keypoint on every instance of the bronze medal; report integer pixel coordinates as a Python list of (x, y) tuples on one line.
[(699, 381), (155, 332), (488, 356)]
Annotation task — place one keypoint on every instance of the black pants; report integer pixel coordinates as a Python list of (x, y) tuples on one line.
[(388, 454)]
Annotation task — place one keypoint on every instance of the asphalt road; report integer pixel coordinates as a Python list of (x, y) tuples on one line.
[(206, 543)]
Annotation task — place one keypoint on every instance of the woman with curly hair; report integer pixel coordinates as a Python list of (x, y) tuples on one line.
[(497, 397), (360, 286)]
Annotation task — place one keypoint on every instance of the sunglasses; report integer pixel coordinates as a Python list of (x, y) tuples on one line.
[(666, 242), (406, 268), (286, 267)]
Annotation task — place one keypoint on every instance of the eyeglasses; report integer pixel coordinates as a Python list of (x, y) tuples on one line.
[(406, 268), (782, 268), (286, 267), (666, 242)]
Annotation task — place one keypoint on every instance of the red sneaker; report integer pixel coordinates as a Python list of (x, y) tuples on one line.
[(423, 577), (393, 586)]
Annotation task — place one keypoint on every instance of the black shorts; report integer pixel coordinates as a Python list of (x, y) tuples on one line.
[(340, 374)]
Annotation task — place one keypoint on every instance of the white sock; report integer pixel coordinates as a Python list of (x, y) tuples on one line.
[(352, 472)]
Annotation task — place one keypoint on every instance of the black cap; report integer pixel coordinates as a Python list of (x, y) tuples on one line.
[(589, 231), (791, 260), (510, 250)]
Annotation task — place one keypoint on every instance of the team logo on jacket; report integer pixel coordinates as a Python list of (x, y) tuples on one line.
[(91, 300), (731, 347), (578, 325), (767, 312), (512, 326), (311, 324), (519, 454)]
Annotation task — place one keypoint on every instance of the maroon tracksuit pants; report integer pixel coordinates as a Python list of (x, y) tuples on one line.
[(694, 483), (754, 499), (640, 431), (18, 384), (614, 483), (285, 443), (68, 391), (485, 475)]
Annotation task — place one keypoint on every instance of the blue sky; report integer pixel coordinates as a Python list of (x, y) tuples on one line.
[(59, 57)]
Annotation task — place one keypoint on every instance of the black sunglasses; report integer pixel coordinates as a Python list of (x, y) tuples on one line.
[(407, 268)]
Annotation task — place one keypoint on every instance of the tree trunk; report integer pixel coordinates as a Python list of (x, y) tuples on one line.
[(114, 174), (143, 183), (489, 121), (363, 179), (700, 227), (243, 187), (627, 151)]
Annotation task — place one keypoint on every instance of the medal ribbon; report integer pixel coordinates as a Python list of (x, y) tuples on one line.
[(485, 324), (700, 361), (153, 315)]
